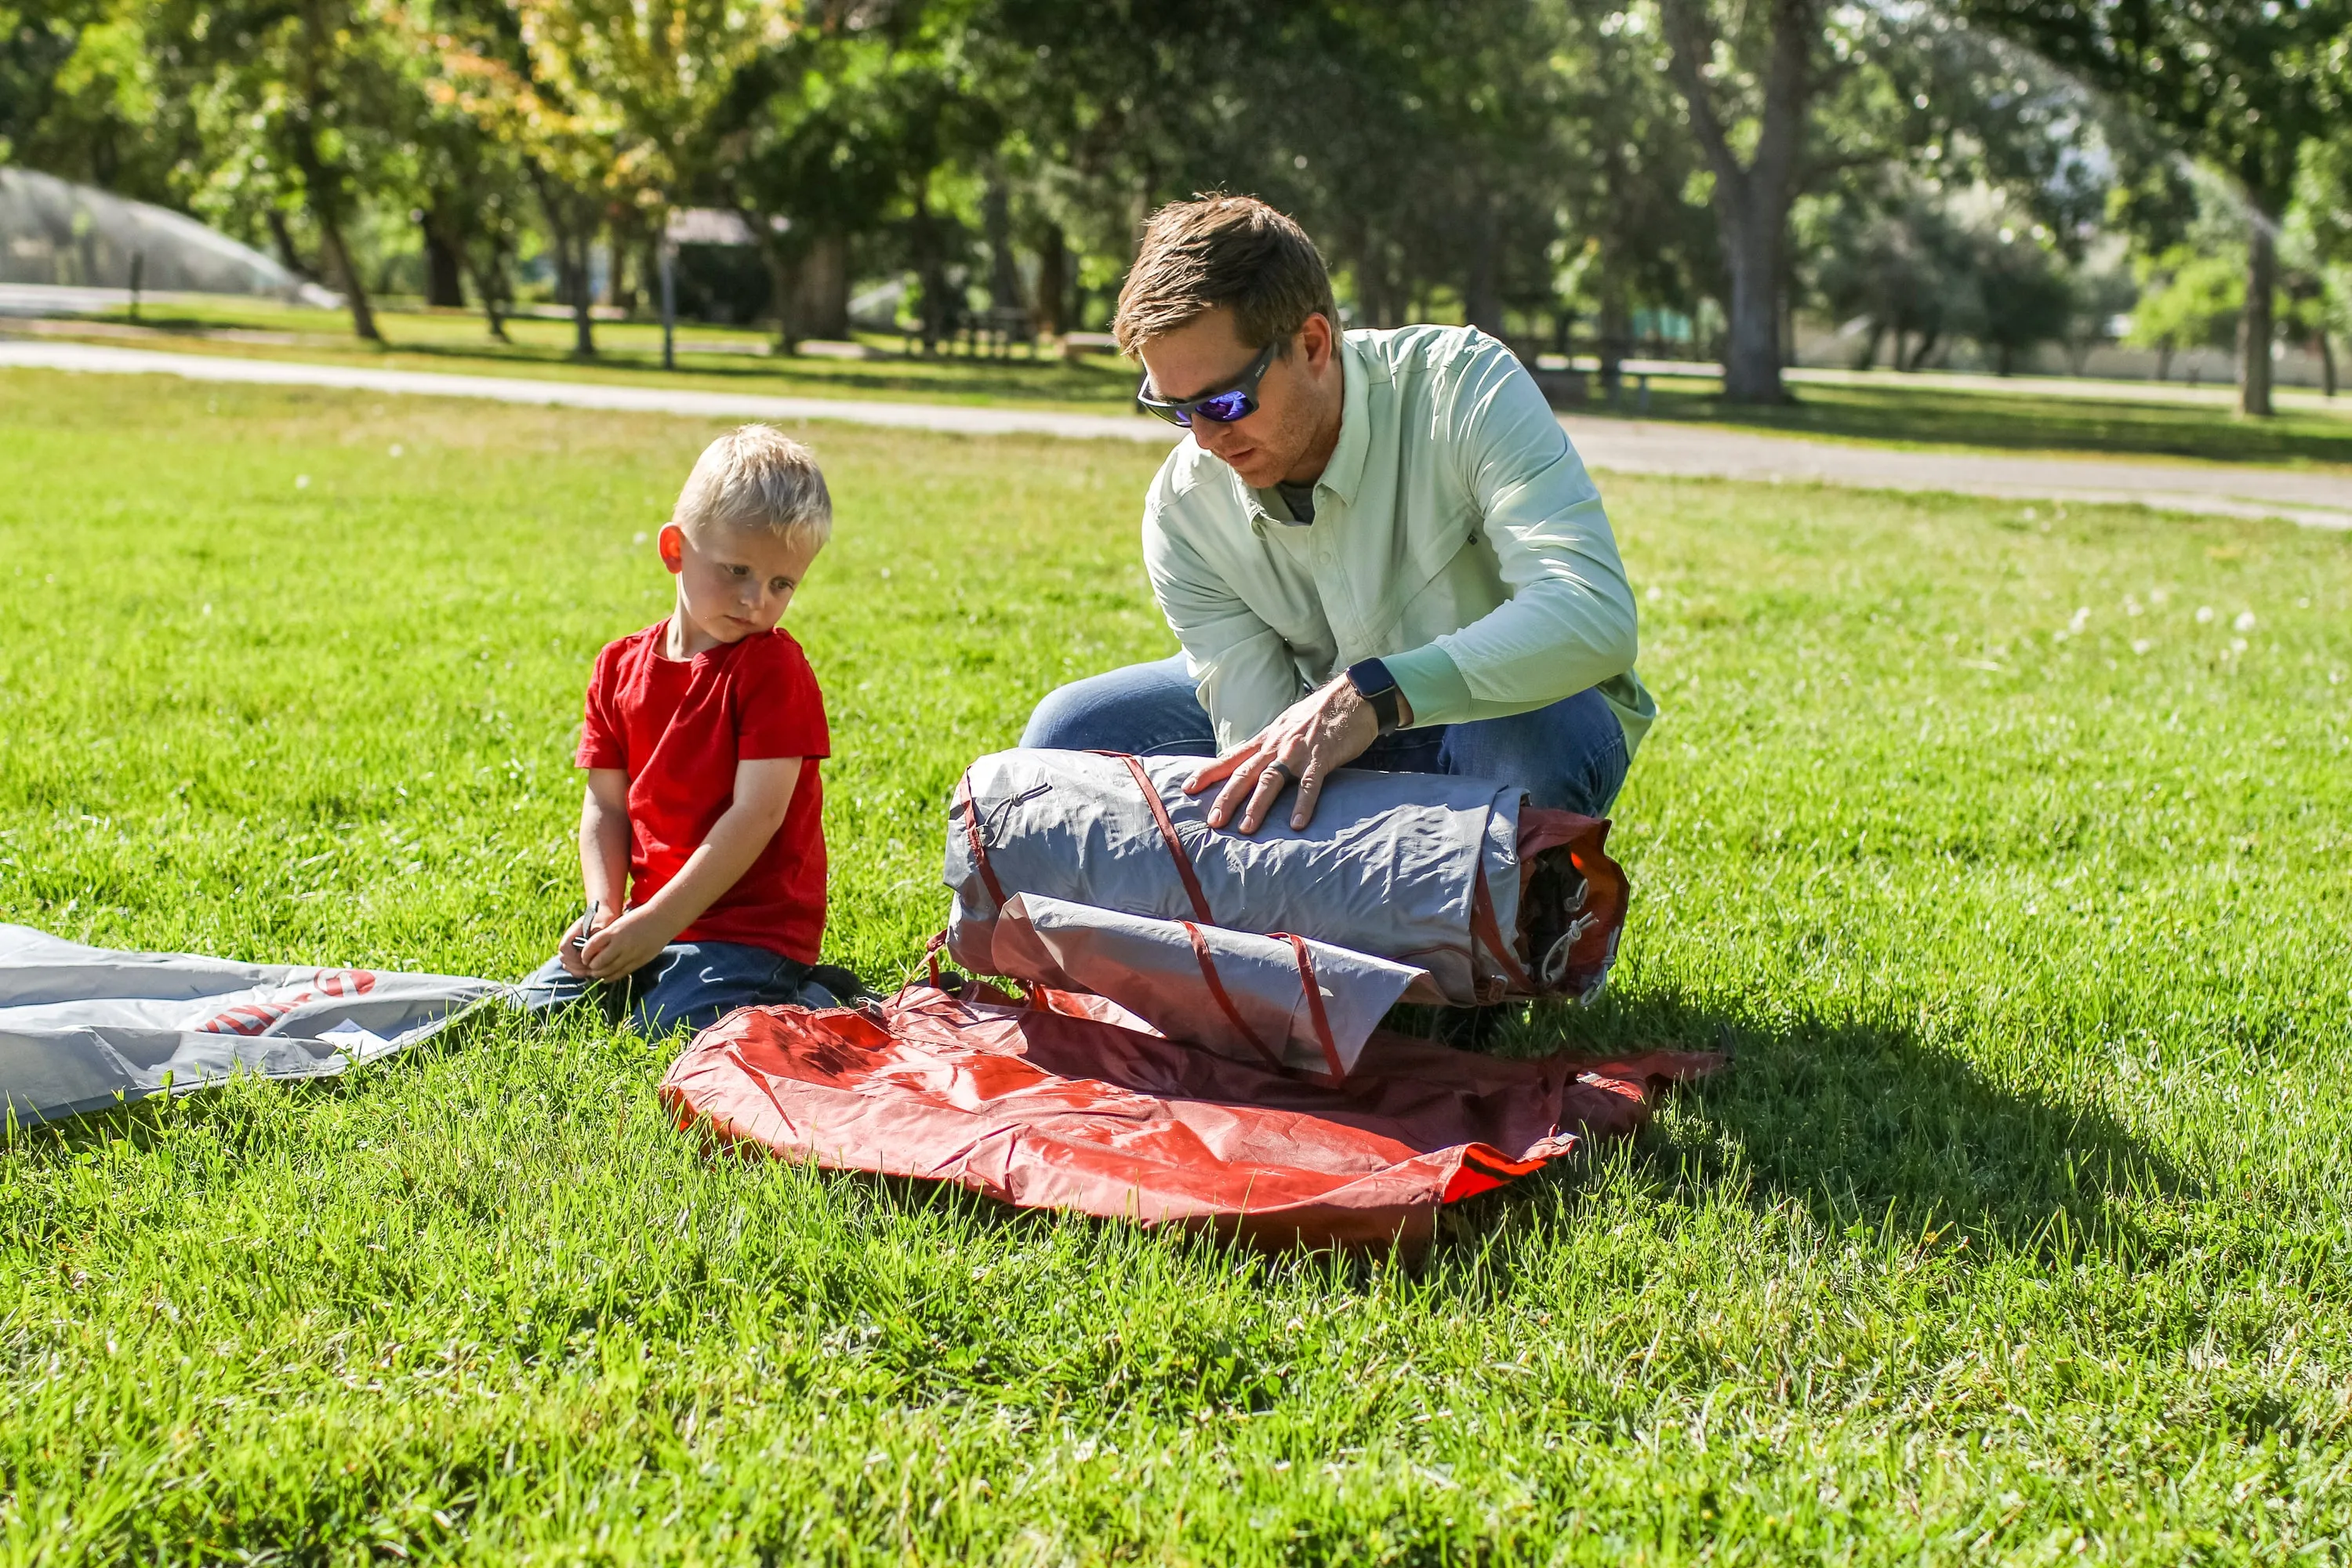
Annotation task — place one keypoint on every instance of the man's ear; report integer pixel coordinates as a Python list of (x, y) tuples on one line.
[(1317, 339), (673, 547)]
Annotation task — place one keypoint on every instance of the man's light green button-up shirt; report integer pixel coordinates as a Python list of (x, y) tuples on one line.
[(1456, 536)]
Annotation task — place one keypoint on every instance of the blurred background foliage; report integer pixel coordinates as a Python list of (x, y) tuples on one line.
[(1963, 187)]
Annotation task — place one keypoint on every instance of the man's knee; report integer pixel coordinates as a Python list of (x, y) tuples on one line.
[(1069, 716), (1570, 756), (1143, 708)]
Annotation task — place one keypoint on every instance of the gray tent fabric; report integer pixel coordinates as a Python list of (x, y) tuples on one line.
[(83, 1028), (1400, 866), (1281, 1002)]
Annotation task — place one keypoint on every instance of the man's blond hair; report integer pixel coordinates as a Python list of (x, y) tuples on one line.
[(758, 476), (1233, 252)]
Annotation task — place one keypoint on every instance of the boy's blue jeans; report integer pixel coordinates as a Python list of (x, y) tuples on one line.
[(1570, 756), (692, 984)]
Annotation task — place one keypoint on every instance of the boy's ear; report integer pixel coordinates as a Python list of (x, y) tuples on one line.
[(673, 547)]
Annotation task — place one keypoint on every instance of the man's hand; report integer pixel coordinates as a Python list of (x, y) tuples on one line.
[(1322, 732), (623, 946)]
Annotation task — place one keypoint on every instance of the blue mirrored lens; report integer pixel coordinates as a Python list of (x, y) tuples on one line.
[(1226, 407)]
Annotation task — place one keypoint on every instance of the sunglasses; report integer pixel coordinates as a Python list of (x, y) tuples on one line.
[(1238, 401)]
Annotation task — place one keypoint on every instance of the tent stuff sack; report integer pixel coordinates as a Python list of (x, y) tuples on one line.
[(1068, 1102), (83, 1028), (1096, 871)]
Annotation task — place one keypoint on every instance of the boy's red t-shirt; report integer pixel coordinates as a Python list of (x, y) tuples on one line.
[(677, 729)]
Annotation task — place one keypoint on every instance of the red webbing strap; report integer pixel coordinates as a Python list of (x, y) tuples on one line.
[(1315, 1004), (1484, 926), (965, 798), (1217, 990), (1175, 844)]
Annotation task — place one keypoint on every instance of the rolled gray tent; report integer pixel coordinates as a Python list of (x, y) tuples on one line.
[(1093, 871)]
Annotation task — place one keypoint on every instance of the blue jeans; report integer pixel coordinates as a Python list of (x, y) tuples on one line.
[(691, 985), (1570, 755)]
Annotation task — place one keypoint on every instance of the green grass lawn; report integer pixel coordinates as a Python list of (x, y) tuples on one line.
[(708, 358), (2087, 418), (2021, 1228), (1984, 414)]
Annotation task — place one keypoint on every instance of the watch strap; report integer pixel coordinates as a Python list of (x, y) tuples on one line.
[(1378, 688)]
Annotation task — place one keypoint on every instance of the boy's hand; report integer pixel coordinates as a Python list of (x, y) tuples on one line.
[(626, 946), (568, 950)]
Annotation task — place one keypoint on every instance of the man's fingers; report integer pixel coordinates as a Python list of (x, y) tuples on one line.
[(1310, 790), (1237, 790), (1272, 780), (1210, 771)]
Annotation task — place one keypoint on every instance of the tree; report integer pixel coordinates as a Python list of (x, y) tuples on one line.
[(2322, 228), (300, 106), (1623, 165), (2190, 299), (837, 129), (1762, 71), (2243, 87)]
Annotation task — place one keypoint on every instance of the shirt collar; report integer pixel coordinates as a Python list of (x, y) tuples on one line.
[(1345, 471)]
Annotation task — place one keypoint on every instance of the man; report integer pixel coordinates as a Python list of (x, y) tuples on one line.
[(1375, 549)]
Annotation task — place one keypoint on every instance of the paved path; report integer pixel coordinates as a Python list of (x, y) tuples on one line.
[(1642, 446), (2314, 499)]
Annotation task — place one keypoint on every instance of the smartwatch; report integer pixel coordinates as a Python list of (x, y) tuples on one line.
[(1377, 687)]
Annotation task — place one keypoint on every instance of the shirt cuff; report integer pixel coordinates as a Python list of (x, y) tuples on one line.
[(1431, 684)]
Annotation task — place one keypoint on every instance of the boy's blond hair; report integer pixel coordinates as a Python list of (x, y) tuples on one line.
[(758, 476)]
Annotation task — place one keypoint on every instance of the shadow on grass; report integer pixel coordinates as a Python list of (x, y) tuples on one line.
[(1867, 1124)]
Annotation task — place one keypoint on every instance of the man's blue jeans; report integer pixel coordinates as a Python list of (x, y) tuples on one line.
[(689, 984), (1570, 755)]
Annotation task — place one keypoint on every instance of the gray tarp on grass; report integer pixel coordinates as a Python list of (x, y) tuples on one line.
[(82, 1028)]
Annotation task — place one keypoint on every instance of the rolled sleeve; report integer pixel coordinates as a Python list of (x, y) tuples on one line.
[(1570, 622)]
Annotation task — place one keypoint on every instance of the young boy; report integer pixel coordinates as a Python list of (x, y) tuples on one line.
[(700, 839)]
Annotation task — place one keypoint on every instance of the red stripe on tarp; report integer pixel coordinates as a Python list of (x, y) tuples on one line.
[(1223, 1000), (1314, 1004), (971, 804), (1175, 844), (1489, 933)]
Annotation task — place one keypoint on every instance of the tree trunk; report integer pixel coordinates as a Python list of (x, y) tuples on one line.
[(1051, 311), (2256, 326), (1751, 200), (1482, 297), (490, 287), (338, 258), (1004, 291), (583, 320), (2326, 363), (1615, 340), (821, 288), (287, 256), (1752, 244), (782, 289), (445, 283), (2164, 362), (572, 234)]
